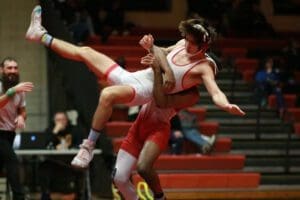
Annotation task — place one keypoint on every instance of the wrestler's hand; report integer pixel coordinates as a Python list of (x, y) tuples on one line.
[(148, 59), (169, 81), (23, 87), (147, 42), (20, 122), (234, 109)]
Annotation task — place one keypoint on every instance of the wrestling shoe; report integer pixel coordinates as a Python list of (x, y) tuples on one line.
[(35, 30), (85, 155)]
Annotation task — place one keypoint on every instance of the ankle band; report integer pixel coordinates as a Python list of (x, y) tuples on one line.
[(47, 39)]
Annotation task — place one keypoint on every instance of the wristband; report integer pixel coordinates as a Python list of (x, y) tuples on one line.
[(10, 92)]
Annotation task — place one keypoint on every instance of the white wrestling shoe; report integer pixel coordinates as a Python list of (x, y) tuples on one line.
[(85, 155), (35, 30)]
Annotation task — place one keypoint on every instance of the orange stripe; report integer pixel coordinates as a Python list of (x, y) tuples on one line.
[(106, 74)]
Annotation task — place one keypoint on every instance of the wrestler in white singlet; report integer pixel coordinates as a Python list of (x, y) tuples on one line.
[(142, 81)]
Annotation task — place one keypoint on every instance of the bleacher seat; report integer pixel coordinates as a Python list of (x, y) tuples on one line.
[(245, 64), (207, 180), (117, 128), (266, 44), (116, 51), (221, 145), (208, 128), (248, 75), (297, 128), (289, 100), (199, 112), (234, 52), (293, 114), (200, 162)]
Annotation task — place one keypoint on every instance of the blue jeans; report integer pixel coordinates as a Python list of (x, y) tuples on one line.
[(193, 135)]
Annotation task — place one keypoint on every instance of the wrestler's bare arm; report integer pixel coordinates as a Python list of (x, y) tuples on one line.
[(147, 42), (169, 78), (159, 54), (183, 99), (179, 100), (167, 50), (217, 95)]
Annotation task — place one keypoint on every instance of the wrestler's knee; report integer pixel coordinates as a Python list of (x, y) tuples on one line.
[(107, 96)]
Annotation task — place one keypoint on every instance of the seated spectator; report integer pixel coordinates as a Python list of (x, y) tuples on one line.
[(259, 24), (61, 136), (268, 82), (114, 19), (245, 18), (82, 27), (185, 126)]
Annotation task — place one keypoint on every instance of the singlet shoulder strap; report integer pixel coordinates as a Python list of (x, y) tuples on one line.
[(214, 65)]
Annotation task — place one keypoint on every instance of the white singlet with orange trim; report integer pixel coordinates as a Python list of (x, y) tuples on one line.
[(181, 70), (142, 81)]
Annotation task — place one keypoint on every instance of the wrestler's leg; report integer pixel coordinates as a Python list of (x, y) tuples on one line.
[(122, 172), (97, 62), (118, 94), (148, 156)]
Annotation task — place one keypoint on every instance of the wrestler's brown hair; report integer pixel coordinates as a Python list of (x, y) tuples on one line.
[(202, 32)]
